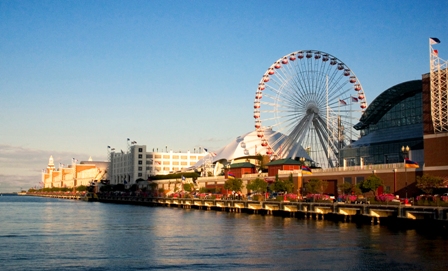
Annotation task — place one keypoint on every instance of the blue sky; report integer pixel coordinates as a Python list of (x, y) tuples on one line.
[(77, 76)]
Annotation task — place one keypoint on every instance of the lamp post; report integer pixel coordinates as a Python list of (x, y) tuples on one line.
[(405, 151), (302, 188)]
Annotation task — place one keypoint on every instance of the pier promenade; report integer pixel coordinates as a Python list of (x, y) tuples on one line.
[(407, 215), (387, 213)]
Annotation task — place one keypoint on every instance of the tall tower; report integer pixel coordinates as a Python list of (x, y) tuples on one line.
[(109, 170), (438, 88), (47, 175), (435, 112), (50, 163)]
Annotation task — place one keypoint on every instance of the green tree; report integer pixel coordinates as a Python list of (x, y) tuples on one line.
[(134, 187), (258, 185), (349, 189), (153, 186), (262, 161), (81, 188), (371, 183), (119, 187), (233, 184), (187, 187), (283, 185), (346, 188), (427, 183), (316, 186)]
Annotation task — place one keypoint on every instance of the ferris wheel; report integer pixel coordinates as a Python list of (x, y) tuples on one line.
[(311, 100)]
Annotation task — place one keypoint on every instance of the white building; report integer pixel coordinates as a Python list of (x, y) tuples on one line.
[(138, 163)]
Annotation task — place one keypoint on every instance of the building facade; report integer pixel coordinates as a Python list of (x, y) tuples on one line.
[(74, 175), (393, 120), (138, 163)]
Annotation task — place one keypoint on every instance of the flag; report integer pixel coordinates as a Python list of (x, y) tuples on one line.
[(434, 41), (306, 170), (436, 52), (410, 164), (230, 175), (342, 102), (354, 99)]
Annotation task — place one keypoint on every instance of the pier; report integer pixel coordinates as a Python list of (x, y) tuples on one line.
[(397, 214), (338, 211), (58, 196)]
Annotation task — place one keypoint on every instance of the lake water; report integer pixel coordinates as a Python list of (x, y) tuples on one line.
[(55, 234)]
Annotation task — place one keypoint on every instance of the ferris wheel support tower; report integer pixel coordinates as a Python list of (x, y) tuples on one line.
[(439, 88)]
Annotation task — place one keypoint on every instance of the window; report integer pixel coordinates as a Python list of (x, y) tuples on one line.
[(140, 162), (140, 156), (140, 168), (140, 149), (348, 180), (359, 180), (140, 174)]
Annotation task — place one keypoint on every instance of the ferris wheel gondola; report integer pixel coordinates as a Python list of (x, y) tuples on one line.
[(313, 100)]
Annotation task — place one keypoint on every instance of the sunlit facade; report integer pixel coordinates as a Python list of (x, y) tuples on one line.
[(74, 175), (138, 163)]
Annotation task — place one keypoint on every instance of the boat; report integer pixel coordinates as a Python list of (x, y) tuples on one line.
[(21, 193)]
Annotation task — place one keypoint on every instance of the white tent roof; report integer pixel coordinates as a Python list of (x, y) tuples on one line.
[(249, 144)]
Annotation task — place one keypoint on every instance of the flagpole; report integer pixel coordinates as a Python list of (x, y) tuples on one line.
[(351, 132)]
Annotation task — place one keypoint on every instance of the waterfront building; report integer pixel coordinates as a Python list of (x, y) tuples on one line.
[(139, 163), (394, 119), (402, 122), (237, 170), (73, 175), (245, 148)]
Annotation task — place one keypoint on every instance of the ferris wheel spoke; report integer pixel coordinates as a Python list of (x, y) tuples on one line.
[(322, 141)]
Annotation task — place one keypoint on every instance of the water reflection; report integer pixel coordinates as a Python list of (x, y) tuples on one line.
[(77, 235)]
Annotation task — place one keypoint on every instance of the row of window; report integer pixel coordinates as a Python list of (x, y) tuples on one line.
[(378, 153), (407, 112)]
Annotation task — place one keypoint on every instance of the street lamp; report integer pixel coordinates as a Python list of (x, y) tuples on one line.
[(405, 151)]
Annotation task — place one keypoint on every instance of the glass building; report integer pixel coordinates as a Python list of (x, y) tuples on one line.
[(394, 119)]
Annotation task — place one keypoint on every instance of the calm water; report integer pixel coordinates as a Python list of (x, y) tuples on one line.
[(53, 234)]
